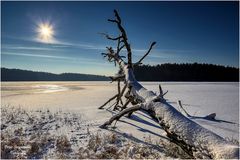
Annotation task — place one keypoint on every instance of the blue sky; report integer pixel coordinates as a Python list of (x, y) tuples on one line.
[(185, 32)]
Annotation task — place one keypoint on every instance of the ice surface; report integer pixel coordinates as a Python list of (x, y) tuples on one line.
[(45, 88), (199, 99)]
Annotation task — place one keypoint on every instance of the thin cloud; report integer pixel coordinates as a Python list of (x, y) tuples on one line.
[(35, 55), (16, 47), (64, 44), (67, 59), (58, 44)]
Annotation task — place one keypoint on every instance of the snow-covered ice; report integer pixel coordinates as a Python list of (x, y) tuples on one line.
[(83, 99), (199, 99)]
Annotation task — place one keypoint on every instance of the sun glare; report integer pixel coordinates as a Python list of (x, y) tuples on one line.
[(45, 32)]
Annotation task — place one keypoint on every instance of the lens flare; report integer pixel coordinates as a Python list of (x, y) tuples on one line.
[(45, 32)]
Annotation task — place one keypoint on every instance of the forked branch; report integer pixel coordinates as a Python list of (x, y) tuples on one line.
[(124, 37)]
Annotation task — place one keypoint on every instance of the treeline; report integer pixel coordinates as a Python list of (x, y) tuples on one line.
[(163, 72), (186, 72), (25, 75)]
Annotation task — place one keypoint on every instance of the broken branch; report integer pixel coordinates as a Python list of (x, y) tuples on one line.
[(101, 107)]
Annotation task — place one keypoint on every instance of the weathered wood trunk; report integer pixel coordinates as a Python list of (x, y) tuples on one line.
[(193, 138), (196, 140)]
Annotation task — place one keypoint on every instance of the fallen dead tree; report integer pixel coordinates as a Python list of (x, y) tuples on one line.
[(196, 140)]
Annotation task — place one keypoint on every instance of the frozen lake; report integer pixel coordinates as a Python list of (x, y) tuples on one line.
[(199, 99)]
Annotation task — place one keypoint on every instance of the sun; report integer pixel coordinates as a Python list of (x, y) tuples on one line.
[(45, 32)]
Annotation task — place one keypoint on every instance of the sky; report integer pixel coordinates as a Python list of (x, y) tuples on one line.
[(62, 37)]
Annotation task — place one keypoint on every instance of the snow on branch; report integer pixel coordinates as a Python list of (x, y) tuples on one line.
[(196, 140)]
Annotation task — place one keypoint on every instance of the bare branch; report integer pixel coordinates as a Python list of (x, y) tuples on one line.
[(123, 90), (120, 48), (111, 105), (115, 96), (114, 39), (124, 37), (119, 96), (180, 104), (115, 78), (149, 50), (111, 38), (160, 90), (111, 20), (101, 107), (117, 16), (161, 94), (112, 57), (122, 113), (165, 93), (125, 105), (209, 117), (118, 45)]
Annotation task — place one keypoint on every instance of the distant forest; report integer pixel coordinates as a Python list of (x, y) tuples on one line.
[(187, 72), (163, 72), (25, 75)]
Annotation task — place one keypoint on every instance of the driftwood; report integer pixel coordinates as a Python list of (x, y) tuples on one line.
[(210, 117), (196, 140)]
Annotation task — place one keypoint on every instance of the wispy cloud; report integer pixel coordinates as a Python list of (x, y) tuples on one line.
[(60, 44), (17, 47), (82, 46), (35, 55), (66, 59)]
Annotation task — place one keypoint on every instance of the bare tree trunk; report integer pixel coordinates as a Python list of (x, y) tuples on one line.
[(193, 138)]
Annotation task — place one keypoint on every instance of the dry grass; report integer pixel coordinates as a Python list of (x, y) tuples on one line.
[(63, 144), (31, 135), (113, 146), (27, 135), (173, 150), (233, 141)]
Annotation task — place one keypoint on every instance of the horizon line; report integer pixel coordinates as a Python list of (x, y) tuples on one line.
[(220, 65)]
